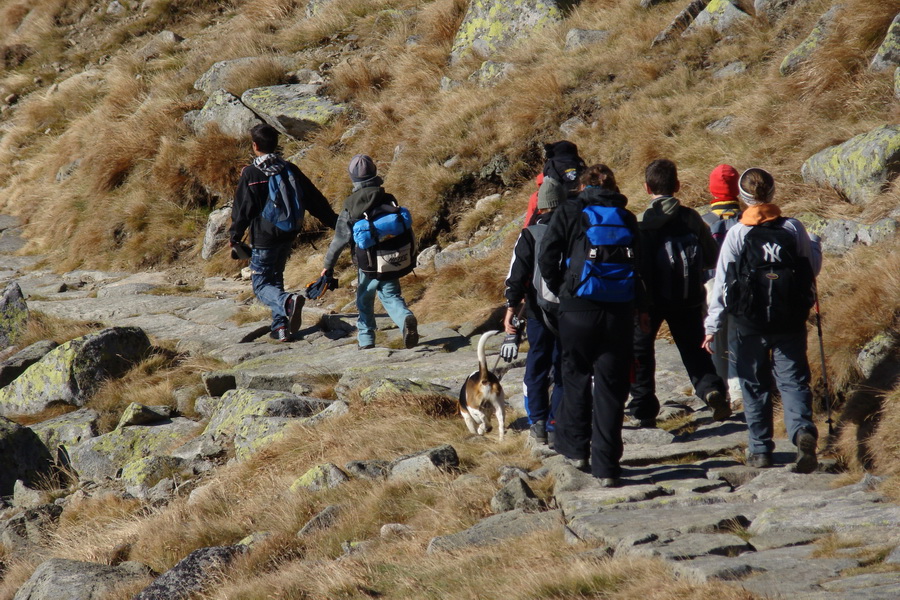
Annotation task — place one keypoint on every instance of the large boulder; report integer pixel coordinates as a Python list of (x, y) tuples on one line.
[(425, 465), (255, 431), (15, 365), (108, 455), (68, 429), (60, 578), (840, 235), (236, 404), (808, 46), (13, 314), (191, 574), (216, 228), (490, 25), (860, 168), (294, 110), (218, 75), (491, 243), (225, 110), (721, 15), (72, 372), (22, 456), (30, 527), (888, 55)]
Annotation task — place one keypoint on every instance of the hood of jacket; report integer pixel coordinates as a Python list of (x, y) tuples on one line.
[(660, 211), (364, 198), (602, 197), (270, 164), (759, 214)]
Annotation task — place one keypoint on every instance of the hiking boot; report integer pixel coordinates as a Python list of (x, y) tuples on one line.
[(280, 334), (579, 463), (763, 460), (410, 332), (806, 452), (551, 438), (539, 432), (293, 308), (609, 482), (719, 404), (367, 347)]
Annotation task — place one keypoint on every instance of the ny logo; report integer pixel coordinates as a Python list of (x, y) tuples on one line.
[(771, 252)]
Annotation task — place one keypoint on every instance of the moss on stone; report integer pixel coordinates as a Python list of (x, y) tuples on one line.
[(808, 46), (493, 24)]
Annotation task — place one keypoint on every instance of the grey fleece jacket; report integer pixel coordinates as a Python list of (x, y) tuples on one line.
[(366, 194)]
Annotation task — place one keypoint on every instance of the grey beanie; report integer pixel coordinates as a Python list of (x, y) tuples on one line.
[(362, 168)]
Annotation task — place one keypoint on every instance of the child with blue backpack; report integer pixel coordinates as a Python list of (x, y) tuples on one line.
[(380, 234), (589, 260)]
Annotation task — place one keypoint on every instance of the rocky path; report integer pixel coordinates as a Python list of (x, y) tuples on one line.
[(686, 495)]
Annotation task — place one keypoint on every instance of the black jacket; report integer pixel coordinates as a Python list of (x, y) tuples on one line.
[(250, 199), (520, 279), (567, 229)]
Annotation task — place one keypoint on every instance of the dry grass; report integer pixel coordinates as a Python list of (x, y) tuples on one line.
[(42, 326)]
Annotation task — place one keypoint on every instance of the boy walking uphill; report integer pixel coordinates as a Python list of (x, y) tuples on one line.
[(677, 249), (765, 277), (369, 196), (271, 240), (588, 260)]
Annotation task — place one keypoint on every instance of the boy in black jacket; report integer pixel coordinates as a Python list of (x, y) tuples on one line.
[(270, 245), (678, 248)]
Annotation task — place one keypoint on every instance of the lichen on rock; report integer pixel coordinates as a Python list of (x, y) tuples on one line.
[(811, 43), (888, 55)]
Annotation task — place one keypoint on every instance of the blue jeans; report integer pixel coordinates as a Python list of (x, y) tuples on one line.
[(543, 366), (267, 275), (791, 373), (389, 294)]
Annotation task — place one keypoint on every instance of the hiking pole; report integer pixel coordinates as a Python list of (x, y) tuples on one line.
[(824, 372)]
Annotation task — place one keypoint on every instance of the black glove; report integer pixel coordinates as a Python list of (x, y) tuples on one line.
[(510, 347)]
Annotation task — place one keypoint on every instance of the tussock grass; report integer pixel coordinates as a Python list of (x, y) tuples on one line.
[(41, 326)]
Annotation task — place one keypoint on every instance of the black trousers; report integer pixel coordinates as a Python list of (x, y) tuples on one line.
[(686, 325), (596, 368)]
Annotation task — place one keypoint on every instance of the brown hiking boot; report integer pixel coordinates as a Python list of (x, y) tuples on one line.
[(806, 452), (717, 401)]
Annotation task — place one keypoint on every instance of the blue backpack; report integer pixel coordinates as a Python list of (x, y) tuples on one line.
[(602, 268), (384, 242), (284, 209)]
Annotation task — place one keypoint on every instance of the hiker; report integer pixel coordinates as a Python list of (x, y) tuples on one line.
[(765, 277), (724, 213), (368, 199), (559, 179), (271, 241), (589, 257), (543, 365), (677, 249)]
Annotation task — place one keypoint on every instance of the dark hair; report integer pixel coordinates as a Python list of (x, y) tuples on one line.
[(599, 176), (759, 184), (661, 177), (265, 137)]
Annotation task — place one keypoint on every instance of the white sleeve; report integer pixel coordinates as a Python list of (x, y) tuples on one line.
[(731, 249)]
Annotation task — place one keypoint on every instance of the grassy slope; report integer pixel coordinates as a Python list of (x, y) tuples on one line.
[(145, 184)]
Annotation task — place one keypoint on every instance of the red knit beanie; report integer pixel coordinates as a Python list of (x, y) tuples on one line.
[(723, 184)]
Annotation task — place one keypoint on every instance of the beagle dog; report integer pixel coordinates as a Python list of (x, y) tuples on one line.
[(482, 393)]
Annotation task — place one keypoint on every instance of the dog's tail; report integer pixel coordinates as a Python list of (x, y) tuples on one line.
[(482, 361)]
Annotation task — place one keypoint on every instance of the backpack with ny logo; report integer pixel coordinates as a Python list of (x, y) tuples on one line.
[(770, 287)]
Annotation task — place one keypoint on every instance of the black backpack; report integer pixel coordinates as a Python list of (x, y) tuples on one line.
[(719, 226), (678, 273), (770, 287)]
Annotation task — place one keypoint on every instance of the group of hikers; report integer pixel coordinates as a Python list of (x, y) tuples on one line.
[(592, 284)]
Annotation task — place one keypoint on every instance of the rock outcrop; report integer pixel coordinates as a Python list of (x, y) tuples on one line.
[(860, 168), (808, 46), (888, 55), (490, 25), (227, 112), (192, 574), (60, 578), (71, 373), (294, 110), (721, 15), (22, 456), (13, 314)]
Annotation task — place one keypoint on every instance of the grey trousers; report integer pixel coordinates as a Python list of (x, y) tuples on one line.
[(782, 355)]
